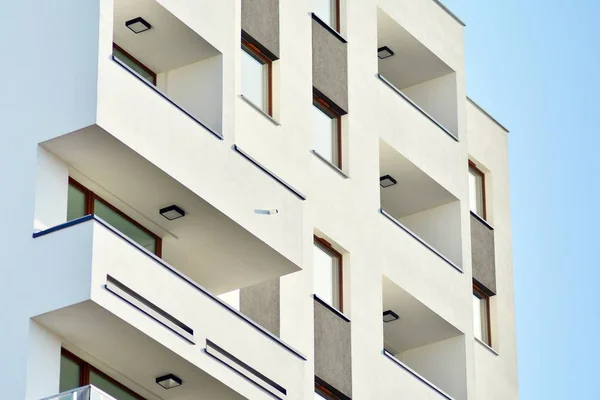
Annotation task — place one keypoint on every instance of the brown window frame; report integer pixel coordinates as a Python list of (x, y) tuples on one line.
[(479, 293), (86, 368), (337, 15), (329, 110), (333, 252), (255, 52), (90, 197), (137, 62), (323, 391), (473, 166)]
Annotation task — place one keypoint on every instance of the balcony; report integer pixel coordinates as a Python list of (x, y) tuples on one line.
[(266, 246), (425, 347), (417, 75), (106, 292), (419, 205), (168, 57)]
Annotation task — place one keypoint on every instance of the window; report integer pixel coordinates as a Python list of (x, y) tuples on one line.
[(477, 190), (82, 201), (328, 11), (327, 264), (134, 64), (481, 315), (74, 373), (256, 77), (327, 132)]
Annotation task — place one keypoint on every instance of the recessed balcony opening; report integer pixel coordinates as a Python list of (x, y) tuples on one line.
[(420, 204), (105, 351), (417, 73), (129, 193), (424, 343), (165, 53)]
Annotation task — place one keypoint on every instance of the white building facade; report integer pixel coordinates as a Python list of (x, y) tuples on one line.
[(250, 199)]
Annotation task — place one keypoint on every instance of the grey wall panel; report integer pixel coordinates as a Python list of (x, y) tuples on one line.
[(261, 303), (260, 20), (483, 254), (330, 66), (333, 361)]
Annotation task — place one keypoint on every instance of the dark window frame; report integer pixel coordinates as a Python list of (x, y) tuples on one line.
[(137, 62), (476, 170), (329, 110), (324, 390), (480, 294), (259, 56), (90, 197), (337, 15), (327, 247), (86, 369)]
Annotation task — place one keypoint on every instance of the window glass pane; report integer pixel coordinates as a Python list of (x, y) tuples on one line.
[(109, 387), (477, 317), (133, 65), (125, 226), (325, 135), (254, 80), (69, 374), (326, 276), (325, 10), (480, 318), (476, 192), (75, 203)]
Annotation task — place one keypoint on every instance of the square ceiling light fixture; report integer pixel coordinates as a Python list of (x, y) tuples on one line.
[(389, 316), (138, 25), (172, 212), (169, 381), (384, 52), (386, 181)]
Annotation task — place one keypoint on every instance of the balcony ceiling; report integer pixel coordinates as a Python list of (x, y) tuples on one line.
[(103, 339), (206, 244), (415, 190), (417, 326), (170, 43), (413, 63)]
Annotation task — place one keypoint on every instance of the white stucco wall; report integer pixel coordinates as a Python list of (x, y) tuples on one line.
[(496, 375), (439, 99), (87, 88), (197, 88), (441, 228), (442, 363)]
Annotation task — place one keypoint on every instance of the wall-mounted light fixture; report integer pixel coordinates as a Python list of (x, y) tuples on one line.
[(169, 381), (172, 212), (384, 52), (386, 181), (389, 316), (138, 25)]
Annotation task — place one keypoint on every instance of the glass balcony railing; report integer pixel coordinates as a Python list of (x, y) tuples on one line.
[(83, 393)]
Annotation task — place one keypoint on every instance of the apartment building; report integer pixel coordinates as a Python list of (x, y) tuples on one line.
[(250, 199)]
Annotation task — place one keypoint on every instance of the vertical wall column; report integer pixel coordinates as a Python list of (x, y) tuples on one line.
[(260, 25), (333, 350), (330, 66), (261, 303), (483, 257)]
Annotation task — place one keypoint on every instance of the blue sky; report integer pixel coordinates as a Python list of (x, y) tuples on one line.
[(535, 66)]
